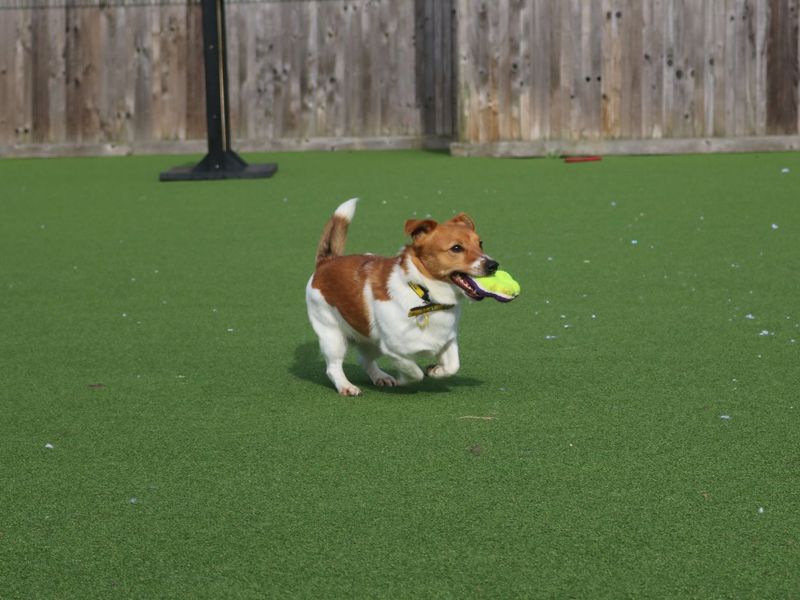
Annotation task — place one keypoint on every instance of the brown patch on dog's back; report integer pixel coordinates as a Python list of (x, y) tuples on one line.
[(342, 279)]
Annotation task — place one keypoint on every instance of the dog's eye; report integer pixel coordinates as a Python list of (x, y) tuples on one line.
[(456, 248), (481, 243)]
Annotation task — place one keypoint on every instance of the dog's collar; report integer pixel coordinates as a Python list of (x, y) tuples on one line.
[(429, 306)]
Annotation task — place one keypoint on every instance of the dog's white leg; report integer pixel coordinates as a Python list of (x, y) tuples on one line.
[(334, 348), (368, 357), (409, 371), (332, 340), (447, 364)]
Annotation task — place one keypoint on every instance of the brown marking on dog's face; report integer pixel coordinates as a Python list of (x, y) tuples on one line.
[(442, 249)]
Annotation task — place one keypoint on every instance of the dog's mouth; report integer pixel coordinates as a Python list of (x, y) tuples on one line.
[(467, 285)]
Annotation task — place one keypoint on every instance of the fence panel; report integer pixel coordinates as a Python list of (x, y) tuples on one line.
[(627, 70), (552, 74), (130, 72)]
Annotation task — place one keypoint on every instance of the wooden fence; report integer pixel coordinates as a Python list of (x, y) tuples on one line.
[(319, 73), (523, 77), (586, 74)]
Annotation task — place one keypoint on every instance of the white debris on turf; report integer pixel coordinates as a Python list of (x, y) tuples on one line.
[(49, 446), (550, 337), (749, 316), (725, 417), (774, 226), (761, 510), (764, 333), (784, 170)]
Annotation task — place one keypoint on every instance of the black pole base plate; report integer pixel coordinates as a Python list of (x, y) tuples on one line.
[(228, 166)]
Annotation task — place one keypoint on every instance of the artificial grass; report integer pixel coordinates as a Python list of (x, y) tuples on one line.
[(639, 436)]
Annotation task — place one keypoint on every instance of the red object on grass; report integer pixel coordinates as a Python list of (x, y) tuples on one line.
[(580, 159)]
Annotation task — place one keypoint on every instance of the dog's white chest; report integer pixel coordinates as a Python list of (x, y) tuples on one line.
[(427, 333)]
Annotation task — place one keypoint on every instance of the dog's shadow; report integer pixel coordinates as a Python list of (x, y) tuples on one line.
[(309, 365)]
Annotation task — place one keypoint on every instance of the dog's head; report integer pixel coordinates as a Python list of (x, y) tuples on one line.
[(451, 251)]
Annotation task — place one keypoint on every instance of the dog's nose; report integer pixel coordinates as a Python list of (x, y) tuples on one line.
[(491, 266)]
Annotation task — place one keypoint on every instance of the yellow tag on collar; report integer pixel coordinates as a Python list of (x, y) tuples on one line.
[(429, 306)]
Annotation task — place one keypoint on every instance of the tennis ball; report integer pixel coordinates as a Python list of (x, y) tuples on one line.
[(500, 286)]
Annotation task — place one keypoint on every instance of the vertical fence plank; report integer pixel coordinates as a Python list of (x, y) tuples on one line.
[(41, 51), (523, 72), (326, 60), (556, 92), (632, 64), (567, 57), (195, 76), (782, 68), (760, 96), (652, 69), (23, 90), (7, 40), (611, 77)]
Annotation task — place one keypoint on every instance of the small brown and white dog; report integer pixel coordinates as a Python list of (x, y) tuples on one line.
[(401, 307)]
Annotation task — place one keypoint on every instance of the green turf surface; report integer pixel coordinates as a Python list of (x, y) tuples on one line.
[(643, 439)]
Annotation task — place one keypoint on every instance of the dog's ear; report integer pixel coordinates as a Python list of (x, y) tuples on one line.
[(416, 228), (463, 219)]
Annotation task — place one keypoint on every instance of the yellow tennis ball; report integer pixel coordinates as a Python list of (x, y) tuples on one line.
[(500, 286)]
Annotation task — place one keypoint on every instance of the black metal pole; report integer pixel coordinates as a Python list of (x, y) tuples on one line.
[(221, 162)]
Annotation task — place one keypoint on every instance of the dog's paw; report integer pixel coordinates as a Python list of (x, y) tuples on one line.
[(349, 390), (387, 381), (437, 372)]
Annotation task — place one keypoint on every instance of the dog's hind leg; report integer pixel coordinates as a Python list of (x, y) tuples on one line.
[(333, 344), (334, 348), (368, 356), (332, 341)]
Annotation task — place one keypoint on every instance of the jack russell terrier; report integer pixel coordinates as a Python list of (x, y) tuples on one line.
[(400, 307)]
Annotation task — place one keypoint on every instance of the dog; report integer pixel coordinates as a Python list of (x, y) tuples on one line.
[(401, 307)]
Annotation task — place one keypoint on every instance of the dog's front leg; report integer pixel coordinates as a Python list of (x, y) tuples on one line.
[(447, 364), (368, 356), (408, 370)]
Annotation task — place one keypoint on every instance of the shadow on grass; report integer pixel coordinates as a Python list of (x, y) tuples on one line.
[(309, 365)]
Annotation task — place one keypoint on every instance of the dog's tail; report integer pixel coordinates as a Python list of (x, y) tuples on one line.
[(335, 233)]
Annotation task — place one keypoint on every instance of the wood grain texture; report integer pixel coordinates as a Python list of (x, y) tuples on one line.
[(132, 74), (628, 69), (478, 71)]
